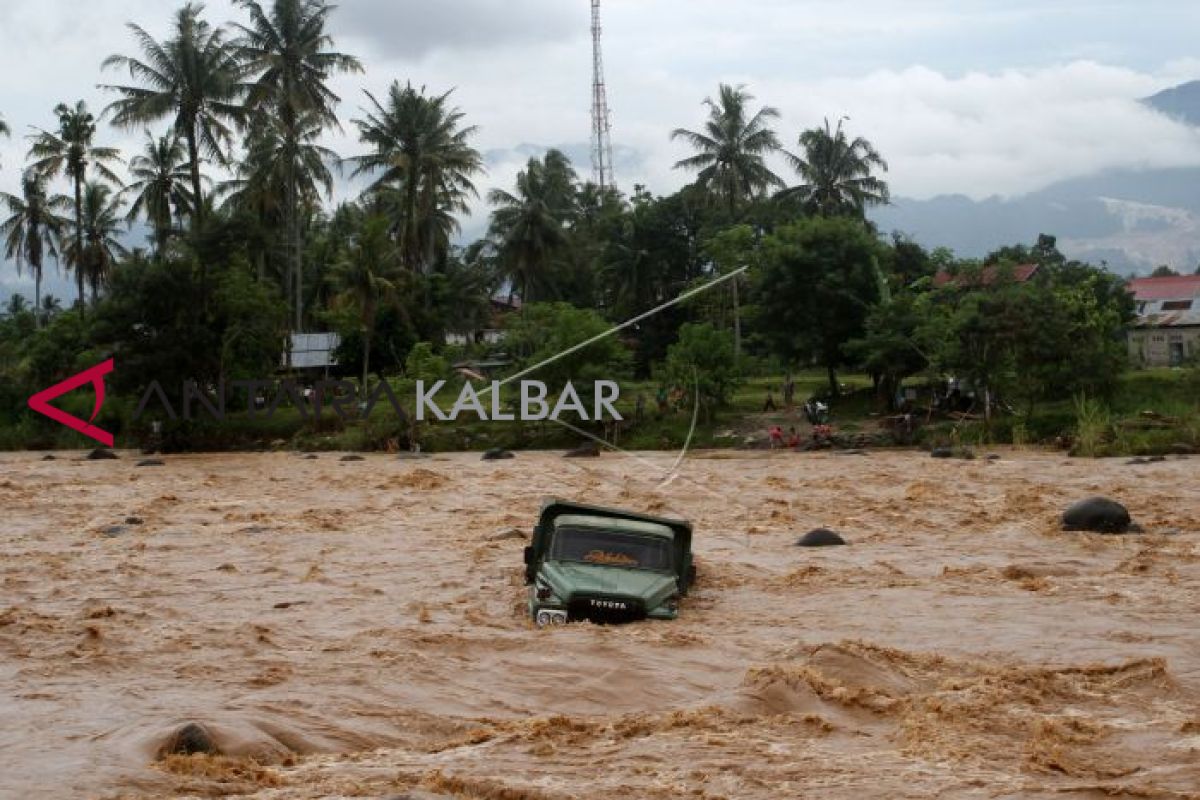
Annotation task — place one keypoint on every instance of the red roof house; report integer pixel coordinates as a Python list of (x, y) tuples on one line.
[(988, 276)]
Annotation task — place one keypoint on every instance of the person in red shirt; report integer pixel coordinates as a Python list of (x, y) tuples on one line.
[(776, 436)]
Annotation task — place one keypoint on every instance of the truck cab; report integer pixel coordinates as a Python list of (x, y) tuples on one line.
[(606, 565)]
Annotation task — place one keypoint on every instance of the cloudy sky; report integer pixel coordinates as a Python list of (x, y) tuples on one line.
[(979, 97)]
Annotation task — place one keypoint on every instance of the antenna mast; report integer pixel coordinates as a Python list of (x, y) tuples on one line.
[(602, 169)]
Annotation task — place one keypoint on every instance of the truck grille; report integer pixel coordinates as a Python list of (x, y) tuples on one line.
[(605, 610)]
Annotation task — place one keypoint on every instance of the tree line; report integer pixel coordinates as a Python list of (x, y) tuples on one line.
[(243, 244)]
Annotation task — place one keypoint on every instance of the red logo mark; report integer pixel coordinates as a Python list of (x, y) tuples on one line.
[(40, 402)]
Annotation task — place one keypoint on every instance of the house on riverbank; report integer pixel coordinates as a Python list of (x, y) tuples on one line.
[(1167, 330)]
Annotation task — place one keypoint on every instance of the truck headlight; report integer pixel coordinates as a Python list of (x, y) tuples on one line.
[(548, 616)]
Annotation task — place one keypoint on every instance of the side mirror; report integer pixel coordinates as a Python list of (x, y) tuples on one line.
[(528, 555)]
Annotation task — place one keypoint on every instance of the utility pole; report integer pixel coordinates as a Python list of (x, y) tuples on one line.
[(602, 169)]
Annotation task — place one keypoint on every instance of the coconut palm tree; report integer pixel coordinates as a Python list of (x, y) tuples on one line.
[(70, 153), (4, 131), (160, 186), (288, 50), (837, 173), (193, 79), (366, 275), (34, 230), (731, 149), (102, 224), (528, 226), (420, 152), (51, 305), (290, 172)]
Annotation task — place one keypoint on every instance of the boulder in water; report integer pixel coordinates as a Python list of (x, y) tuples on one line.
[(190, 739), (101, 454), (820, 537), (351, 457), (497, 454), (1097, 514), (49, 457), (585, 450), (151, 462), (310, 456)]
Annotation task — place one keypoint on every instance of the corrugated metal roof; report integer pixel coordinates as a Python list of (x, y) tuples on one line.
[(1169, 319)]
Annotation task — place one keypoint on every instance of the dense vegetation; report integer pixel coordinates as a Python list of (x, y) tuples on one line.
[(242, 246)]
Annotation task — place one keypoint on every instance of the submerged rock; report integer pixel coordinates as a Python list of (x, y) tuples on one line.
[(151, 462), (409, 456), (190, 739), (310, 456), (820, 537), (497, 454), (952, 452), (586, 450), (49, 457), (101, 454), (351, 458), (1097, 514)]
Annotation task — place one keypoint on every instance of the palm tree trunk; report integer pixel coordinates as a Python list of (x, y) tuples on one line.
[(194, 166), (737, 326), (294, 254), (366, 359), (79, 241), (37, 294), (197, 206)]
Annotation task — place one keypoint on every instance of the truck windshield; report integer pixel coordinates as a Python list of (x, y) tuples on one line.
[(611, 548)]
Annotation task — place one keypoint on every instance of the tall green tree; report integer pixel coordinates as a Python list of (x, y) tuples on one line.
[(34, 228), (70, 153), (838, 173), (366, 275), (4, 130), (102, 227), (289, 52), (283, 181), (423, 165), (818, 282), (528, 225), (191, 78), (732, 147), (159, 187)]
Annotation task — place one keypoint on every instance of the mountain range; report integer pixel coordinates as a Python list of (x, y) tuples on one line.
[(1132, 220)]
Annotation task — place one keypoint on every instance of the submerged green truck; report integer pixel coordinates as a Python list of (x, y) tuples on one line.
[(606, 565)]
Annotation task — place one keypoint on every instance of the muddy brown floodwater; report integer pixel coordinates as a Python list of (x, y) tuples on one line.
[(356, 629)]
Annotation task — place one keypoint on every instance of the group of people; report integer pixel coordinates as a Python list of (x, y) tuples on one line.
[(821, 435), (815, 411)]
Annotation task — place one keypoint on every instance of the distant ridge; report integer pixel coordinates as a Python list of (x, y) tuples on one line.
[(1180, 102)]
